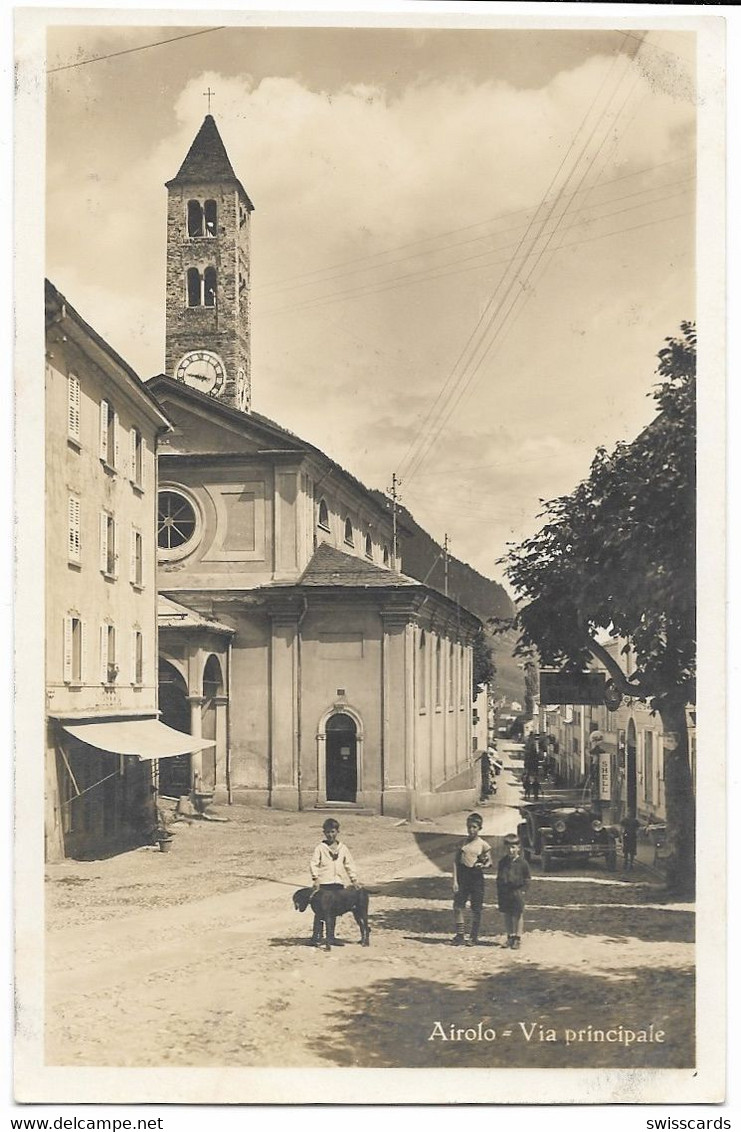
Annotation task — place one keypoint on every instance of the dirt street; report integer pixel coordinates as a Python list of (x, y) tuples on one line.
[(196, 957)]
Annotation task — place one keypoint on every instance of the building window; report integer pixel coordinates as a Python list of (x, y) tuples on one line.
[(209, 216), (108, 435), (137, 558), (74, 543), (136, 453), (348, 532), (368, 546), (195, 218), (176, 520), (438, 671), (73, 407), (137, 657), (201, 289), (108, 549), (209, 287), (74, 643), (108, 665), (422, 672), (193, 277), (323, 520)]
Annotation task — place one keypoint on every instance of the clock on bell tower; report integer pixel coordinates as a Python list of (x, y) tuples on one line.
[(207, 308)]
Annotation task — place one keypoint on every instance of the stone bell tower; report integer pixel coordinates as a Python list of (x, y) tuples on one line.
[(207, 329)]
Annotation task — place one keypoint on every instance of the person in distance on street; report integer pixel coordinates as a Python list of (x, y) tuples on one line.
[(630, 826)]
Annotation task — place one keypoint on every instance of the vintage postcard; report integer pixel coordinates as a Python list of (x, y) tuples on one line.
[(369, 409)]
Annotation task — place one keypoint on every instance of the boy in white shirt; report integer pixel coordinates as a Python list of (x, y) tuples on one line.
[(472, 857), (332, 866)]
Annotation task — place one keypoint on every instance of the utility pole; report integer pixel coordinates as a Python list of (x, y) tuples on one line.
[(445, 562), (394, 499)]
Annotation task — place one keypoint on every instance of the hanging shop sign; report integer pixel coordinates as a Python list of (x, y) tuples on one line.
[(572, 687)]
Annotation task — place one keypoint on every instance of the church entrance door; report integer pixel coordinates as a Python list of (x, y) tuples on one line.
[(342, 759)]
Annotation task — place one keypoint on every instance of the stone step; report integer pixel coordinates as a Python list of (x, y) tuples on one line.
[(345, 808)]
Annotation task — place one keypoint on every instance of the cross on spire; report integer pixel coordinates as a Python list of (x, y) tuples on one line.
[(209, 94)]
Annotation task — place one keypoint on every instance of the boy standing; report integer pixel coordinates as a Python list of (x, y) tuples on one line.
[(332, 866), (513, 877), (471, 858)]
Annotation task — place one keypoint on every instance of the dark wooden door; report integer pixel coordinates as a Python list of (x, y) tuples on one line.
[(342, 759)]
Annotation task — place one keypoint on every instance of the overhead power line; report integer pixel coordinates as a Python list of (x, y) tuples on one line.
[(517, 275), (442, 270), (131, 50), (290, 282)]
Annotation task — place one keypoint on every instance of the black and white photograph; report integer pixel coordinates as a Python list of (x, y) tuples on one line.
[(370, 400)]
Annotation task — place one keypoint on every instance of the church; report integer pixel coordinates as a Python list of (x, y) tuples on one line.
[(290, 637)]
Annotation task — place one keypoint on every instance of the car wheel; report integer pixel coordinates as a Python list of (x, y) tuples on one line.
[(611, 861)]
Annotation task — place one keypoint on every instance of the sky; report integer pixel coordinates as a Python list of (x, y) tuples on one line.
[(467, 246)]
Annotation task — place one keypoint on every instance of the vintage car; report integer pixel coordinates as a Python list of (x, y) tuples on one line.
[(562, 833)]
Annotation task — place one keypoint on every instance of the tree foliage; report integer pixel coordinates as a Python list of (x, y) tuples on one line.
[(617, 556), (484, 668)]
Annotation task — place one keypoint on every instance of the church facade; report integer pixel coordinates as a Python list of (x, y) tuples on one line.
[(288, 631)]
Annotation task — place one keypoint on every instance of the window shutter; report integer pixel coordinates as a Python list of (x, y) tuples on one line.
[(73, 406), (83, 651), (132, 454), (73, 547), (104, 430), (104, 542), (133, 656), (67, 663), (104, 654), (116, 455), (132, 563), (144, 470)]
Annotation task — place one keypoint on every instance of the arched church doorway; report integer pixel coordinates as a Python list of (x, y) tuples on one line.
[(342, 758), (175, 772), (631, 777), (212, 686)]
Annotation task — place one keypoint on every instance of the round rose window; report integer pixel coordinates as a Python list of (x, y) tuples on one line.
[(176, 520)]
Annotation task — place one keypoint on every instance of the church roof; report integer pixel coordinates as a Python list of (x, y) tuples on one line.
[(207, 160), (330, 567)]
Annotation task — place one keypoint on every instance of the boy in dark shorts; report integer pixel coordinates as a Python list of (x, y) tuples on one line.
[(472, 857)]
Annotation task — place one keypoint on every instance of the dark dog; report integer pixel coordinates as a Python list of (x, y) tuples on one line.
[(327, 905)]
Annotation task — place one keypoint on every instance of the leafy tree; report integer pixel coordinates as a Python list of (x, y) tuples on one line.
[(618, 556), (484, 668)]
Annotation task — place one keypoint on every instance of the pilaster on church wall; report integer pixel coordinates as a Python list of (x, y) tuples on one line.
[(397, 692)]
